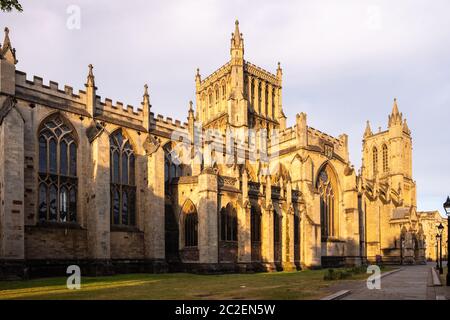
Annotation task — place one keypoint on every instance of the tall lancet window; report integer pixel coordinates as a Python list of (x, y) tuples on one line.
[(326, 184), (123, 186), (385, 158), (375, 160), (57, 171)]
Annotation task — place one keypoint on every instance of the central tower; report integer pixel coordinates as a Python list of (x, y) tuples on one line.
[(240, 94)]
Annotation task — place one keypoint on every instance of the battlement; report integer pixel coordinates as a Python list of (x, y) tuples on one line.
[(215, 75), (119, 109), (323, 136), (169, 122), (260, 72), (52, 92), (37, 84)]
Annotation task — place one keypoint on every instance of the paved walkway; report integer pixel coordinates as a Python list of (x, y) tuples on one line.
[(410, 283)]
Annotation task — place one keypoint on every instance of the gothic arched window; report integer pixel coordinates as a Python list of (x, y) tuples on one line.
[(190, 225), (123, 186), (57, 171), (375, 160), (228, 223), (172, 165), (385, 159), (326, 185)]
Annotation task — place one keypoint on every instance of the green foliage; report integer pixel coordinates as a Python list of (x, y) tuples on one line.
[(9, 5)]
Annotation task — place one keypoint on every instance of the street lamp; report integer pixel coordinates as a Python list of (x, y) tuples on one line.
[(440, 229), (437, 251), (447, 211)]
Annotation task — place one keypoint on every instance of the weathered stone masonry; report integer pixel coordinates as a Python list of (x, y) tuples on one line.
[(88, 182)]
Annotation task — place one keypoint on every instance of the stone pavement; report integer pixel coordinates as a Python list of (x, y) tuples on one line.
[(410, 283)]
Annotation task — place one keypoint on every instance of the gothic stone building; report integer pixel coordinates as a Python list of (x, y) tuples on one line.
[(101, 185)]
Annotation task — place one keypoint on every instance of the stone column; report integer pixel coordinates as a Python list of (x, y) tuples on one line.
[(288, 231), (154, 229), (208, 232), (244, 224), (267, 244), (249, 92), (99, 201), (269, 103), (11, 188)]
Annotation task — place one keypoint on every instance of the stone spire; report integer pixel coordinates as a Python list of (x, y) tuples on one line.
[(368, 131), (237, 42), (146, 97), (405, 127), (90, 92), (396, 117), (7, 52), (146, 107), (198, 78)]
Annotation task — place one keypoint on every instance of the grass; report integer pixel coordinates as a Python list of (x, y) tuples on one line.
[(308, 284)]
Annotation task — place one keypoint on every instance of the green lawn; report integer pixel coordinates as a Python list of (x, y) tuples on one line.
[(308, 284)]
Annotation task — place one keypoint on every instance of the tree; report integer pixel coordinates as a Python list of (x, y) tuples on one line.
[(8, 5)]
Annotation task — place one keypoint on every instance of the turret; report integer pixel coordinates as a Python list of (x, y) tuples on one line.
[(237, 45), (8, 63), (146, 108)]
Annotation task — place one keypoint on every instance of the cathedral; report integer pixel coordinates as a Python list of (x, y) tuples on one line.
[(115, 188)]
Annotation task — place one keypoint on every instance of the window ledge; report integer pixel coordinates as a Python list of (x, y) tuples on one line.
[(122, 228), (58, 225)]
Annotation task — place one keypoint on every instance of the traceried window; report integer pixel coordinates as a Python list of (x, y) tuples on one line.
[(190, 225), (123, 186), (172, 165), (228, 223), (224, 92), (385, 159), (57, 171), (375, 160), (328, 210)]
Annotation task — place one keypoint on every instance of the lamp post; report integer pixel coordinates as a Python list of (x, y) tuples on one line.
[(437, 252), (440, 230), (447, 211)]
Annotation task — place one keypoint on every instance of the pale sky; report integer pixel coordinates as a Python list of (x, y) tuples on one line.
[(343, 61)]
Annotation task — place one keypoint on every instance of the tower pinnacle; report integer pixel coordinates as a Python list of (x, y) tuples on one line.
[(237, 42), (7, 52)]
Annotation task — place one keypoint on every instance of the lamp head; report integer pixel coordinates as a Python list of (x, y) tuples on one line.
[(447, 206)]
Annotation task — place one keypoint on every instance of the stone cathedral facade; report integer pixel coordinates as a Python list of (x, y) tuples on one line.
[(114, 188)]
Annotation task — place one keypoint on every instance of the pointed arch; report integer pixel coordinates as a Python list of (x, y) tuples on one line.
[(328, 187), (189, 220), (229, 223), (123, 178), (279, 171), (295, 167), (374, 160), (385, 158), (58, 178)]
